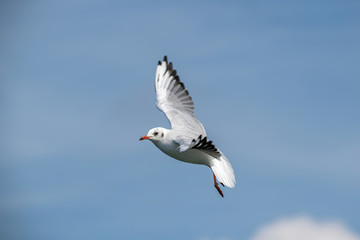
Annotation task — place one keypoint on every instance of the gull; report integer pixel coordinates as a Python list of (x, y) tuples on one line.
[(187, 140)]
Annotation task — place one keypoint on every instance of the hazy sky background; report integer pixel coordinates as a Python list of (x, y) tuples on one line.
[(275, 83)]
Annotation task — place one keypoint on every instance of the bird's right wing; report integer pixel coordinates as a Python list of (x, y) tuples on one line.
[(174, 100)]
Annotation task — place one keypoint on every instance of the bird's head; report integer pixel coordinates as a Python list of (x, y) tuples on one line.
[(154, 134)]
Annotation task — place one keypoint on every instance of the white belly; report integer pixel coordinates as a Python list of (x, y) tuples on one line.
[(189, 156)]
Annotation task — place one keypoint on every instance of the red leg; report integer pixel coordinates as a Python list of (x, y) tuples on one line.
[(217, 186)]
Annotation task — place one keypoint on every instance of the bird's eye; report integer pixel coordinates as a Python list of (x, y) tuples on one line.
[(155, 133)]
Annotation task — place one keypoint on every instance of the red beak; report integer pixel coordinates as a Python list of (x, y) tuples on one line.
[(144, 137)]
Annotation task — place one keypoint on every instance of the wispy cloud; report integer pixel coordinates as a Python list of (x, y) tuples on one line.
[(301, 228)]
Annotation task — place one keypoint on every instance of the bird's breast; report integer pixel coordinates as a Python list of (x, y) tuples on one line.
[(189, 156)]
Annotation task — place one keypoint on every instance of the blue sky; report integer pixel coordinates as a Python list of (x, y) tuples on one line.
[(276, 85)]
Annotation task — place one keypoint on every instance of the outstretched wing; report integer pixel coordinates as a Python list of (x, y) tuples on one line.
[(174, 100)]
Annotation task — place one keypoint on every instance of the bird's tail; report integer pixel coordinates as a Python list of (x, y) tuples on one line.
[(224, 171)]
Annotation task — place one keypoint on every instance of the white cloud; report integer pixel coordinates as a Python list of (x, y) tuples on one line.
[(305, 228)]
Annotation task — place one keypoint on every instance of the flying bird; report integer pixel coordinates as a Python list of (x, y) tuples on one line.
[(187, 140)]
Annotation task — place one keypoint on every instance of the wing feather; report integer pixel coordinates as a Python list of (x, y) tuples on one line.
[(175, 101), (203, 144)]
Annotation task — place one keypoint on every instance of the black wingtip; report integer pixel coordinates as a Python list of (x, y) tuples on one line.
[(165, 59)]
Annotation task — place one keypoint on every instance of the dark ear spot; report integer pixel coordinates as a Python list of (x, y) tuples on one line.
[(162, 134)]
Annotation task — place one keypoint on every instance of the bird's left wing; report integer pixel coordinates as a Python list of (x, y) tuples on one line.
[(174, 100)]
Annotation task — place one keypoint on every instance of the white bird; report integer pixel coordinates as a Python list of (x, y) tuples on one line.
[(186, 140)]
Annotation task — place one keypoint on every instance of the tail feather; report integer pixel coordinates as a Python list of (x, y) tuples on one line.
[(224, 171)]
